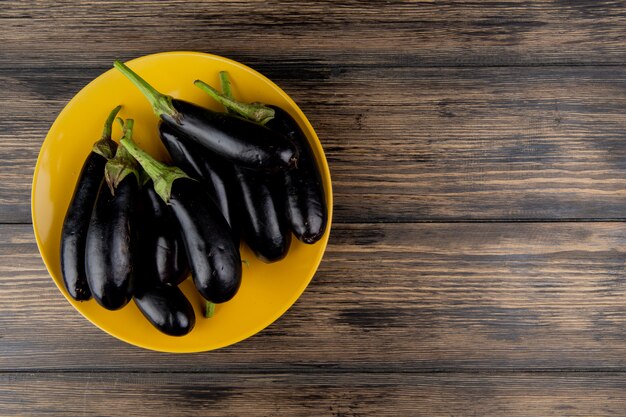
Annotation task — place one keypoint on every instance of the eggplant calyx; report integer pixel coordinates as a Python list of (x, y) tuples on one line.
[(257, 112), (161, 103), (123, 164), (105, 145), (163, 176)]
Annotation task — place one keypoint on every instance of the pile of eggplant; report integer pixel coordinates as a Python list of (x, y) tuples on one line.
[(137, 227)]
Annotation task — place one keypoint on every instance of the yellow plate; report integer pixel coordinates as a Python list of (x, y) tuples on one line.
[(267, 290)]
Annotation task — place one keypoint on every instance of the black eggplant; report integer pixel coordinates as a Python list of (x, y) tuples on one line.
[(212, 254), (167, 308), (201, 165), (76, 222), (162, 256), (304, 191), (232, 137), (183, 156), (305, 203), (262, 221), (111, 246)]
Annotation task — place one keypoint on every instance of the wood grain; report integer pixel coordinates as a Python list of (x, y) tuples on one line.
[(476, 264), (434, 296), (397, 33), (320, 395), (439, 144)]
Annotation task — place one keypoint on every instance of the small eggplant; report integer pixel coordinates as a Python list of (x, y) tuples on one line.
[(262, 221), (111, 246), (167, 308), (304, 190), (201, 165), (161, 250), (213, 257), (76, 222), (232, 137)]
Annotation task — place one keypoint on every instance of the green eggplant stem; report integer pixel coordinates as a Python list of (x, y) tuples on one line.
[(256, 112), (122, 153), (144, 178), (161, 103), (108, 125), (225, 85), (162, 175), (123, 164), (209, 309), (105, 146)]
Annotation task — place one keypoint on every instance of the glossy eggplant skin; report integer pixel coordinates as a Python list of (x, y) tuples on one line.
[(201, 165), (262, 222), (76, 225), (213, 256), (167, 308), (161, 249), (233, 138), (183, 155), (110, 249), (305, 202)]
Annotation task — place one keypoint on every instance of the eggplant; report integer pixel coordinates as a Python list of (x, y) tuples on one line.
[(305, 202), (167, 308), (111, 245), (201, 165), (213, 256), (263, 225), (76, 222), (304, 198), (184, 154), (212, 253), (234, 138), (162, 256), (262, 221)]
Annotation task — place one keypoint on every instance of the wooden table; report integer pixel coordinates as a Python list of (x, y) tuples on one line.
[(476, 262)]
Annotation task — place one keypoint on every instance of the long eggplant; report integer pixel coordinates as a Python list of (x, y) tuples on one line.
[(111, 246), (212, 254), (260, 214), (162, 257), (261, 217), (201, 165), (76, 222), (167, 308), (305, 203), (232, 137), (304, 191), (304, 200)]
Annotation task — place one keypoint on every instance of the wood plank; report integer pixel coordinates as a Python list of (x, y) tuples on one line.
[(438, 144), (387, 297), (294, 395), (429, 33)]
